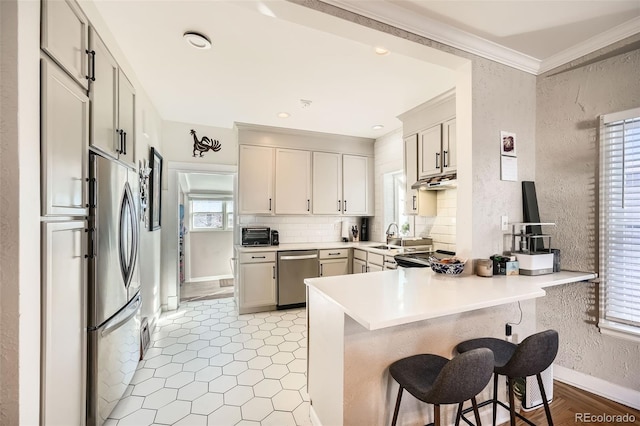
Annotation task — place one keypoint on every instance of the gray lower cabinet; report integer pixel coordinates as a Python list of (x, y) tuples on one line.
[(63, 335), (256, 281)]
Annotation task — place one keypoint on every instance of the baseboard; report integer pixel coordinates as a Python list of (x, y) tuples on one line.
[(154, 320), (315, 421), (211, 278), (597, 386)]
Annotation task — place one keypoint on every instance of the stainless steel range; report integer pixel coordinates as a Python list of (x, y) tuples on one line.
[(421, 259)]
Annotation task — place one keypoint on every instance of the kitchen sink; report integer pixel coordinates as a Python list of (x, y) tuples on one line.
[(385, 247)]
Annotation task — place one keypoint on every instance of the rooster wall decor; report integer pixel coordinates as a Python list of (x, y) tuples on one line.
[(205, 144)]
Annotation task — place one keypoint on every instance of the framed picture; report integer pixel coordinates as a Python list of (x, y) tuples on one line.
[(155, 190), (508, 144)]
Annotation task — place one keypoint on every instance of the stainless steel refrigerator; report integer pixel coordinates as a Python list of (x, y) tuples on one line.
[(114, 285)]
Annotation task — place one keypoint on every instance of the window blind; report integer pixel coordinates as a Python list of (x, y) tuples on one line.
[(620, 222)]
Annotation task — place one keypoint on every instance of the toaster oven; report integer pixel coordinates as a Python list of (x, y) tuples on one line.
[(256, 236)]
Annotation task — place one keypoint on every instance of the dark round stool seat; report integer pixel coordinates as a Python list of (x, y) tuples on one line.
[(437, 380), (530, 358)]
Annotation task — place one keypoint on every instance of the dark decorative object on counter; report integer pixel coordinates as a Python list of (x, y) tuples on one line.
[(155, 183), (205, 144)]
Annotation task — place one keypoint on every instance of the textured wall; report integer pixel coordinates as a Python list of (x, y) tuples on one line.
[(9, 217), (568, 106)]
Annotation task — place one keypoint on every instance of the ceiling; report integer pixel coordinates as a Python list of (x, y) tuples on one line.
[(268, 56), (205, 183)]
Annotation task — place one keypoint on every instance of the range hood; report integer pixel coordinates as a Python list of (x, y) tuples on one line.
[(435, 183)]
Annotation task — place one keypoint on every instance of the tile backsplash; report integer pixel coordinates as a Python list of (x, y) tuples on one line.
[(302, 229), (442, 228)]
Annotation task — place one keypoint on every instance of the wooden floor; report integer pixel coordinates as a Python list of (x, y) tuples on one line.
[(206, 290), (569, 403)]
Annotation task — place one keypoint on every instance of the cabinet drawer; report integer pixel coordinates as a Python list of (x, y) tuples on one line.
[(360, 254), (334, 254), (376, 259), (258, 257)]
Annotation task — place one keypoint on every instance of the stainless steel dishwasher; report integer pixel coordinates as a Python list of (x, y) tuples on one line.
[(293, 268)]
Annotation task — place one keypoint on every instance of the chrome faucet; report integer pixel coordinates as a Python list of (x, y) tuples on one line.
[(391, 234)]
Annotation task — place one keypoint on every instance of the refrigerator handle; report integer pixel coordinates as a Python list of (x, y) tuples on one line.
[(122, 317), (128, 216)]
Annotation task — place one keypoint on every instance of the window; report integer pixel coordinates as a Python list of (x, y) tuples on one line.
[(211, 214), (620, 223)]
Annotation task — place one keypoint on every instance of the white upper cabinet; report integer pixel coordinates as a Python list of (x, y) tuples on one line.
[(449, 154), (112, 104), (64, 143), (430, 151), (327, 183), (293, 181), (411, 173), (64, 37), (104, 99), (126, 117), (357, 186), (255, 180)]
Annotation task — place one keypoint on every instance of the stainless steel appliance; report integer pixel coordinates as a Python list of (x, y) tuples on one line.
[(256, 236), (293, 268), (420, 260), (275, 238), (114, 285)]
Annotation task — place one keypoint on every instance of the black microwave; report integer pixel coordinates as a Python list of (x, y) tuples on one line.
[(256, 236)]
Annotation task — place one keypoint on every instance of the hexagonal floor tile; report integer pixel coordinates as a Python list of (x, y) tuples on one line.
[(198, 344), (220, 341), (275, 371), (225, 415), (222, 384), (288, 346), (174, 349), (127, 406), (279, 418), (267, 326), (231, 348), (141, 375), (185, 356), (285, 324), (301, 414), (267, 388), (208, 373), (180, 379), (300, 353), (208, 352), (282, 358), (297, 328), (234, 368), (195, 364), (279, 331), (238, 395), (262, 334), (293, 381), (172, 412), (207, 403), (192, 420), (256, 409), (221, 359), (286, 400), (298, 366), (192, 391), (267, 350), (274, 340), (158, 361), (160, 398), (293, 337), (245, 355), (188, 338), (138, 417), (250, 377), (229, 332), (168, 370), (248, 329), (148, 386), (259, 362)]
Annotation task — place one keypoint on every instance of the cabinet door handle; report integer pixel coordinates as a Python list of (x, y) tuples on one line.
[(92, 249), (269, 204), (339, 207), (308, 205), (258, 257), (345, 205), (92, 60), (321, 269), (437, 158), (334, 254), (413, 203), (124, 142), (444, 159), (274, 272)]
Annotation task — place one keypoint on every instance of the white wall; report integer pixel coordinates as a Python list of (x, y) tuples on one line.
[(388, 158), (209, 254), (178, 143), (568, 105), (441, 228)]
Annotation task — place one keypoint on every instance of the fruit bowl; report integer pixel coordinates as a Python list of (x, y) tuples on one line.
[(449, 265)]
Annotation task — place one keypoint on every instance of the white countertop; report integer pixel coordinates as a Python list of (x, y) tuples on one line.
[(313, 246), (384, 299)]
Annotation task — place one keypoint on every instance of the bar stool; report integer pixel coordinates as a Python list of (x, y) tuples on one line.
[(530, 358), (437, 380)]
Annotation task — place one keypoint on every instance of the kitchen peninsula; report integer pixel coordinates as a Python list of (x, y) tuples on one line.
[(359, 324)]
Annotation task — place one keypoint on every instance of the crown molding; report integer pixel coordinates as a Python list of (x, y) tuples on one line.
[(604, 39), (392, 14)]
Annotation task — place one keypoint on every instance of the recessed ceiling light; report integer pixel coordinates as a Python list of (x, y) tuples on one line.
[(283, 114), (377, 127), (197, 40), (381, 51)]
